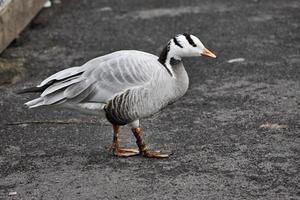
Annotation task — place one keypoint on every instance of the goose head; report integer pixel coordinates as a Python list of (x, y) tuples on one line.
[(182, 45), (185, 45)]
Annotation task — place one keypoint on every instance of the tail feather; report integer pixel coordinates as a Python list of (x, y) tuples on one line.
[(52, 90), (62, 75), (53, 98), (61, 85), (32, 90), (35, 102)]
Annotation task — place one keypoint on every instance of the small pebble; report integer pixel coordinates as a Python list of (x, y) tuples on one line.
[(236, 60), (47, 4), (273, 126), (12, 193), (105, 9)]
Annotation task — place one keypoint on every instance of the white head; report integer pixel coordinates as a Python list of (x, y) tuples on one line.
[(183, 45)]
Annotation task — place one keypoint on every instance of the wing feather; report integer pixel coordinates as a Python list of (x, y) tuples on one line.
[(61, 85), (75, 89), (66, 73), (100, 79), (120, 74), (73, 71)]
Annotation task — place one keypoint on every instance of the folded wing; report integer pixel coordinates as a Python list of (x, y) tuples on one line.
[(99, 80)]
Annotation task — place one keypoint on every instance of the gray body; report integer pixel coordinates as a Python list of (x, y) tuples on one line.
[(127, 85)]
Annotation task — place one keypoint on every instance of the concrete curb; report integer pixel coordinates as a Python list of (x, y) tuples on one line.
[(14, 16)]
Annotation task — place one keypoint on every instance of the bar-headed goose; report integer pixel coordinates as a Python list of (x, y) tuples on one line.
[(125, 85)]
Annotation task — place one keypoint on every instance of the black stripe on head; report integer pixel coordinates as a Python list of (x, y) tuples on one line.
[(189, 39), (163, 57), (174, 61), (177, 43), (164, 53)]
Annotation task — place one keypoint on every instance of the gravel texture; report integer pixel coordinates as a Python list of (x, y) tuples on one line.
[(234, 135)]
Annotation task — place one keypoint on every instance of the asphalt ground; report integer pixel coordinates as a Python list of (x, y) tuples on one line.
[(234, 135)]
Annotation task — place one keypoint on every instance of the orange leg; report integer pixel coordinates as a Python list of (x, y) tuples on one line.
[(115, 147), (143, 148)]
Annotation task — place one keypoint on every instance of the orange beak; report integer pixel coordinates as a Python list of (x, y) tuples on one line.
[(208, 53)]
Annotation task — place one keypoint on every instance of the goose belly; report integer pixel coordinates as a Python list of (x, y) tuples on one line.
[(87, 108)]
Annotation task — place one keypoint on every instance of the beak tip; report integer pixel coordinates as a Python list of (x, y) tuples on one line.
[(213, 55), (208, 53)]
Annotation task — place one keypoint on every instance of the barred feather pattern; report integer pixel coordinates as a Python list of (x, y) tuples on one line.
[(127, 85), (139, 102)]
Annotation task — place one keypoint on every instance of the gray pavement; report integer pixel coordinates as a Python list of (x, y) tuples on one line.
[(234, 135)]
